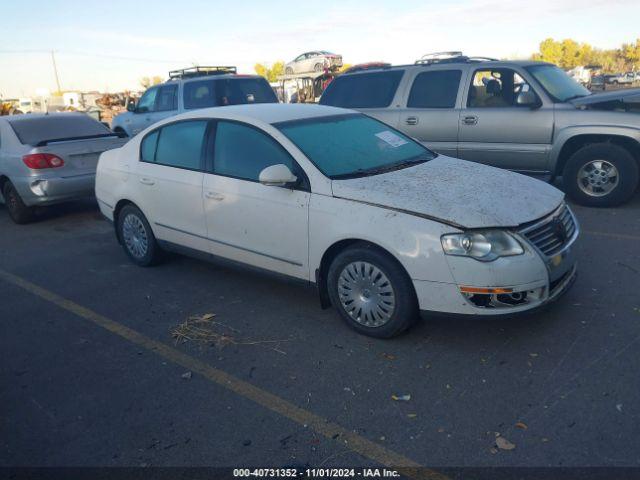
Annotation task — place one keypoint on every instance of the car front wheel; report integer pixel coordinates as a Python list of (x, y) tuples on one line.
[(372, 292), (137, 238), (18, 211), (601, 175)]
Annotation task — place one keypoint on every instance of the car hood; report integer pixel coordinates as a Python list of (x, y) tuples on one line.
[(456, 192), (627, 95)]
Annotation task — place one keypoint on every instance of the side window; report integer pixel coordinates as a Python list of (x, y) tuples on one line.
[(243, 152), (495, 88), (438, 89), (180, 144), (147, 101), (363, 90), (199, 94), (167, 98), (148, 147)]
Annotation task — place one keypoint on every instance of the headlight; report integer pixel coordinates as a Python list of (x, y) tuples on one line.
[(484, 245)]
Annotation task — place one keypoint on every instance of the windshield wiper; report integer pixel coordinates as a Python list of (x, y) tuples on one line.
[(573, 97), (367, 172)]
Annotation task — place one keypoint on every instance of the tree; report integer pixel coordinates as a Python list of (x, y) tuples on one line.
[(271, 73), (146, 82), (568, 54)]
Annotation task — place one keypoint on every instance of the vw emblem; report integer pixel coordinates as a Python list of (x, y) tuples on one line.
[(559, 229)]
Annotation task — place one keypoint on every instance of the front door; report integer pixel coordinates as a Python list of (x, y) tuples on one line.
[(170, 173), (431, 111), (264, 226), (494, 130)]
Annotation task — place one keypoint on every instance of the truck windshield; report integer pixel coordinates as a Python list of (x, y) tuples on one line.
[(560, 86), (350, 146)]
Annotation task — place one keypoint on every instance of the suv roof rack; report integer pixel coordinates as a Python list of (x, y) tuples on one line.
[(200, 72), (450, 57)]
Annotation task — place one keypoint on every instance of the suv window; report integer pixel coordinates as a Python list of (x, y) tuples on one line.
[(363, 90), (229, 91), (496, 88), (243, 152), (438, 89), (167, 98), (147, 101), (180, 144)]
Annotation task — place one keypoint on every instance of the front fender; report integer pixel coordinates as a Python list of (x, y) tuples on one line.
[(567, 133)]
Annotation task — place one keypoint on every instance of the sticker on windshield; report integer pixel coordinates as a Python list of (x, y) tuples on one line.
[(391, 138)]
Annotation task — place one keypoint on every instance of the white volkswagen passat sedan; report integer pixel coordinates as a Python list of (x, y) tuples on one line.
[(384, 227)]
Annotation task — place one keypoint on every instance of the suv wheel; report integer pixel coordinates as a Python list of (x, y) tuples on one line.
[(372, 292), (601, 175), (137, 238), (18, 211)]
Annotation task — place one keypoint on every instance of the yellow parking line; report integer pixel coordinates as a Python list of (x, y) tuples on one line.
[(622, 236), (351, 440)]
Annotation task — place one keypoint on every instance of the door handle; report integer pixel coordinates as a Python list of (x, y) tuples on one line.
[(411, 120), (147, 181), (214, 195), (470, 120)]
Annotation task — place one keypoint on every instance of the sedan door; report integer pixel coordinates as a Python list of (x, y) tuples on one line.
[(497, 131), (431, 111), (170, 176), (264, 226)]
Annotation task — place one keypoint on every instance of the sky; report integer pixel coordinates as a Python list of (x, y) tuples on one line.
[(109, 45)]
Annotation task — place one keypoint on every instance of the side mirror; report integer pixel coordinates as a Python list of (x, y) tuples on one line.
[(528, 99), (131, 106), (277, 176)]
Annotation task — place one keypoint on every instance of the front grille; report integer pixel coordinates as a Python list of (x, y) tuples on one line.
[(551, 234)]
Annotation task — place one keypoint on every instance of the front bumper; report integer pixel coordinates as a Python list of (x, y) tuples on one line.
[(531, 280), (47, 190)]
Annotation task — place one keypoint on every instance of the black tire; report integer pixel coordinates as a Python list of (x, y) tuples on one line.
[(147, 255), (18, 211), (623, 161), (288, 71), (405, 309)]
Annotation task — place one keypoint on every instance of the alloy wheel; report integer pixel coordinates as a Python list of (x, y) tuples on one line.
[(598, 178), (134, 235)]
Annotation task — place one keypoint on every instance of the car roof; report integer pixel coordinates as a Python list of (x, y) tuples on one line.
[(447, 64), (269, 113)]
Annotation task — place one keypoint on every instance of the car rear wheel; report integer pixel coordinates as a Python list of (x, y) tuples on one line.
[(601, 175), (289, 71), (137, 238), (18, 211), (372, 292)]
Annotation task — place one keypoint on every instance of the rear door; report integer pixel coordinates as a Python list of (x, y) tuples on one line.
[(431, 109), (496, 131), (170, 175), (374, 93)]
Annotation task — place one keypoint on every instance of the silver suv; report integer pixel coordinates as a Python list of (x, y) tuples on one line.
[(189, 89), (525, 116)]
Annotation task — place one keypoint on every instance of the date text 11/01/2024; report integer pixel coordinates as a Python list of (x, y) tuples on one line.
[(315, 472)]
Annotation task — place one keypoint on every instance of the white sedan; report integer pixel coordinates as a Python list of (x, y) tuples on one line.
[(382, 226)]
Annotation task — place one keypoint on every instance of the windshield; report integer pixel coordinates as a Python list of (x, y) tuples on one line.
[(560, 86), (349, 146)]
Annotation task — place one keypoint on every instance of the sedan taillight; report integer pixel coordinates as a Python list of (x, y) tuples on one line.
[(39, 161)]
